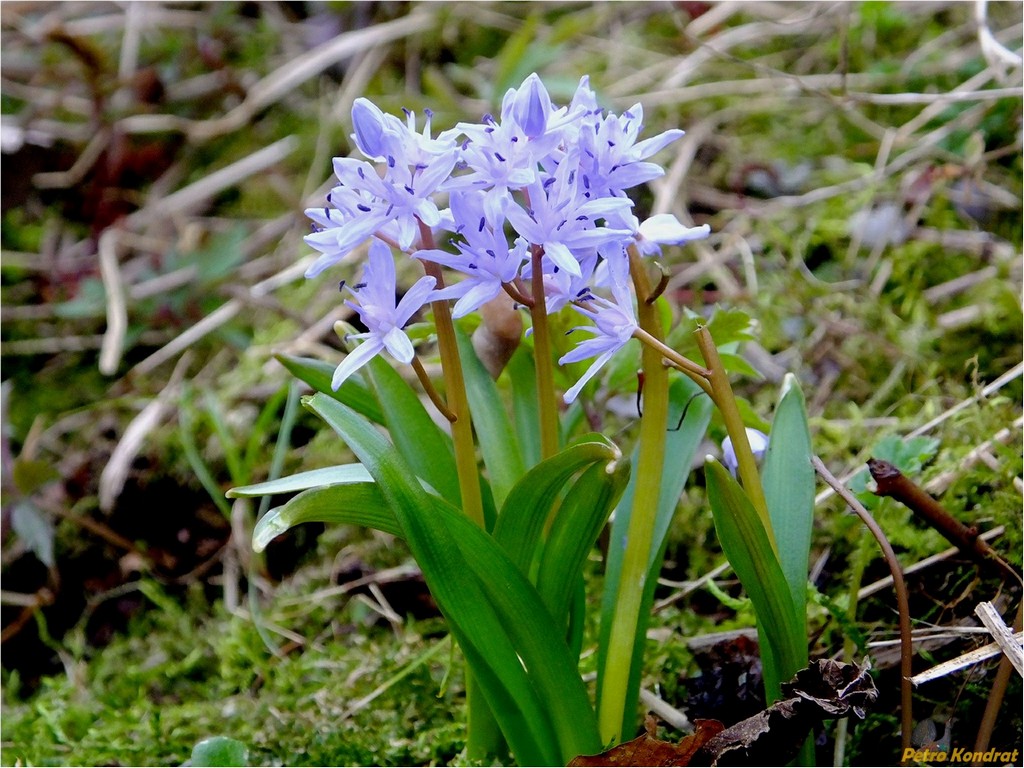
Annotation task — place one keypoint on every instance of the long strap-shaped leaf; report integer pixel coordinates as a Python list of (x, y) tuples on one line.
[(523, 375), (342, 474), (318, 375), (418, 439), (529, 503), (498, 444), (788, 481), (525, 670), (575, 528), (750, 553), (352, 504), (364, 504)]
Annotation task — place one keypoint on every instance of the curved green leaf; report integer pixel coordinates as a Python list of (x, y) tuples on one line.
[(418, 439), (355, 504), (517, 655), (318, 375), (574, 529), (301, 481), (364, 504), (530, 502), (750, 553), (498, 444), (788, 480)]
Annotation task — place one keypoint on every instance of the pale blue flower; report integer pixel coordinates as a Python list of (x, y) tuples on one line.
[(392, 205), (665, 229), (614, 325), (612, 160), (562, 222), (378, 311), (484, 255)]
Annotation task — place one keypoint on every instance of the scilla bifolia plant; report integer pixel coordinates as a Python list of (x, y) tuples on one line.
[(539, 222)]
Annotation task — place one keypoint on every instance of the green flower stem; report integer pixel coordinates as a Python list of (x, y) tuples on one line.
[(432, 393), (547, 405), (725, 400), (698, 373), (640, 533), (455, 389), (483, 735)]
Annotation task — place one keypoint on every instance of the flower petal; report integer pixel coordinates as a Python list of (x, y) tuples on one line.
[(355, 360), (569, 396), (398, 344)]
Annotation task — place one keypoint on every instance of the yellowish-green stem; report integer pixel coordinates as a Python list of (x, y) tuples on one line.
[(698, 373), (614, 683), (547, 405), (725, 400), (483, 735), (455, 390), (432, 393)]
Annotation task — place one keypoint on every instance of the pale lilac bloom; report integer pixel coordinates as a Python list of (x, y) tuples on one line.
[(365, 202), (484, 255), (503, 156), (612, 160), (375, 133), (500, 161), (380, 136), (559, 220), (614, 325), (664, 229), (758, 445), (378, 311), (560, 286)]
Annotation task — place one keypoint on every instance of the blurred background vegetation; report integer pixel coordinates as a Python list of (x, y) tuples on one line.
[(859, 164)]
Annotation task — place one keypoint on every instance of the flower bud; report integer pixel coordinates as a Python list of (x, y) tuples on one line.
[(758, 445)]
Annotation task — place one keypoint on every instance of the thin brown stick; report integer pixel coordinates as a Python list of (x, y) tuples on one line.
[(889, 481), (902, 597)]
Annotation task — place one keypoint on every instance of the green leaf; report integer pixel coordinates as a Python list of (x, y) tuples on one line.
[(745, 542), (680, 448), (907, 454), (420, 441), (531, 501), (353, 504), (733, 363), (301, 481), (219, 751), (318, 375), (497, 439), (726, 326), (523, 375), (788, 481), (515, 652), (574, 530), (29, 475)]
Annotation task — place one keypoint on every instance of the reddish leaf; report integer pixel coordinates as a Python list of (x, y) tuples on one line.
[(647, 750)]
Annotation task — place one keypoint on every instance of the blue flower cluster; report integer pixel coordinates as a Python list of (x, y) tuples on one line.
[(556, 177)]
